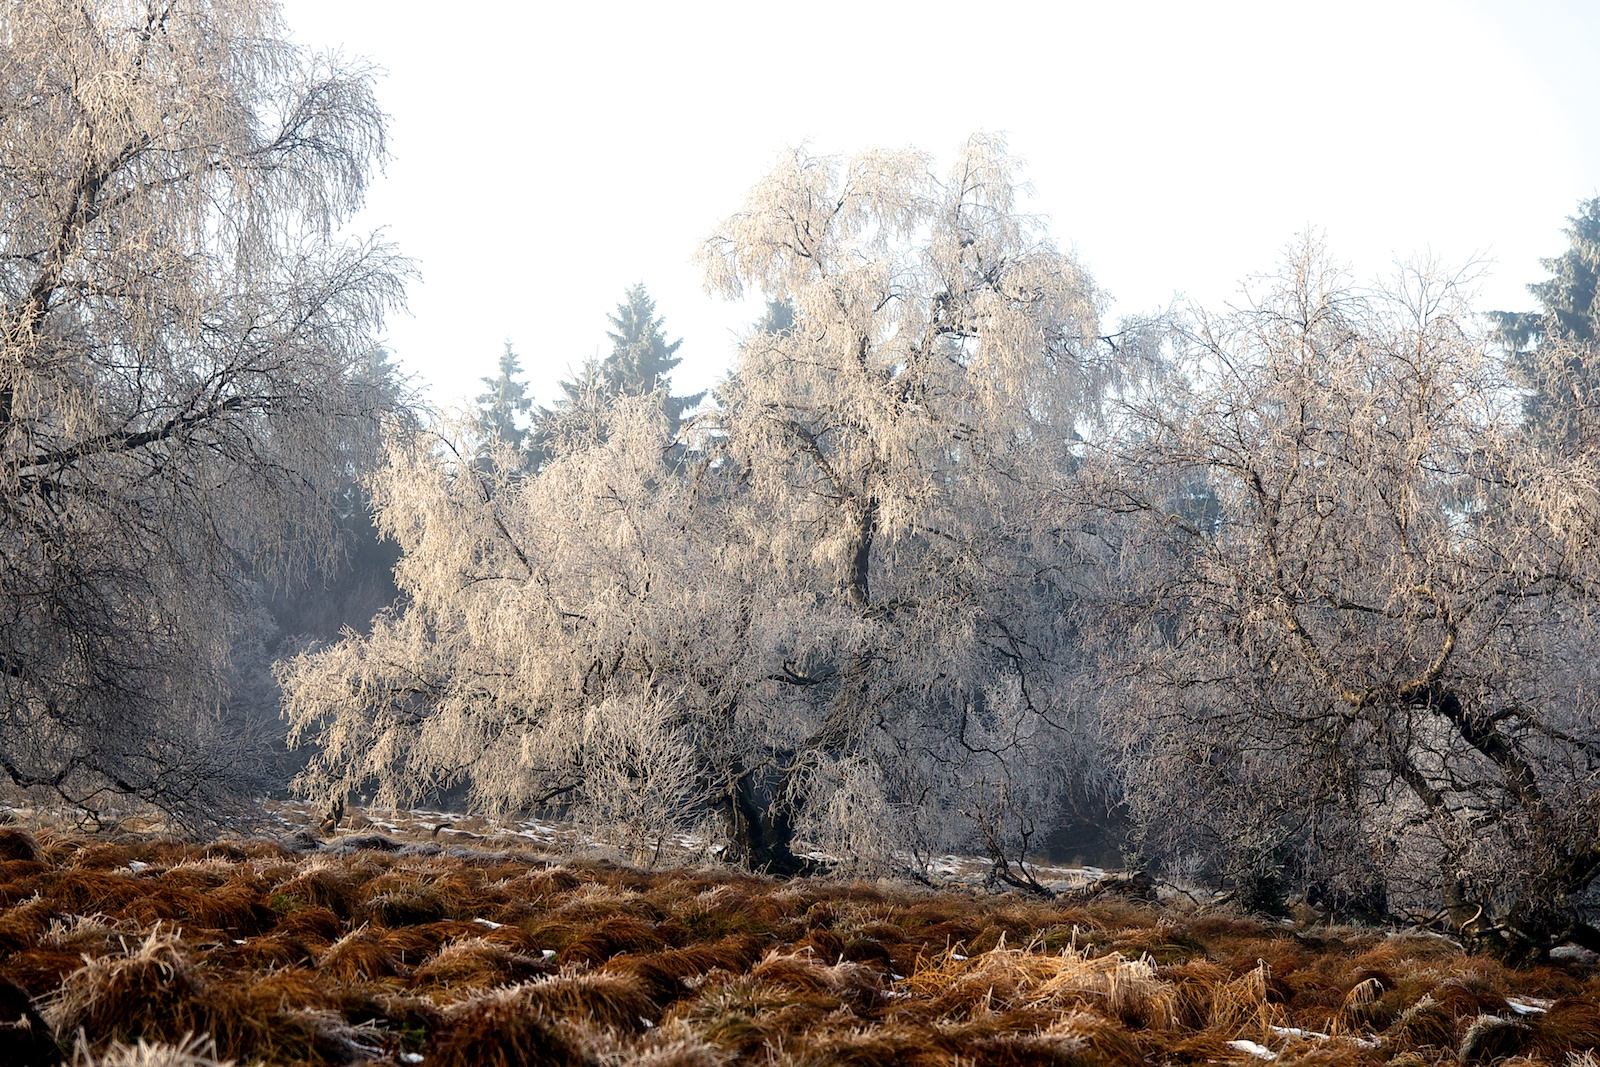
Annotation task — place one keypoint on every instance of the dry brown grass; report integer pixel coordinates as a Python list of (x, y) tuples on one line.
[(367, 954), (498, 1030)]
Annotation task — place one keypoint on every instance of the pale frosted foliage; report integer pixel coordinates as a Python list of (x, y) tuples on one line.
[(858, 822), (643, 776), (178, 341), (553, 633), (1359, 605), (843, 599)]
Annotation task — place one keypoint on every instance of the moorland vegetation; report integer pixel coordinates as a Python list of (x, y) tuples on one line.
[(377, 950)]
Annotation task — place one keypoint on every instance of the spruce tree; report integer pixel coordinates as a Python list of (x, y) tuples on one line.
[(642, 359), (1555, 351), (505, 401)]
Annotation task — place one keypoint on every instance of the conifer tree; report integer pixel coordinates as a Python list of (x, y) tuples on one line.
[(504, 401), (1554, 350), (642, 359)]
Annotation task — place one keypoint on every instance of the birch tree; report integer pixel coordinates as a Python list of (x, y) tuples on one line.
[(179, 336), (1358, 611), (838, 617)]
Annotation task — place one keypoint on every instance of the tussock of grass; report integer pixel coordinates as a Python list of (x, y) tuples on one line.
[(498, 1030), (152, 990), (479, 964), (360, 955)]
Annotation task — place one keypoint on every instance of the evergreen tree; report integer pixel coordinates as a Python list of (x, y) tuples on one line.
[(505, 401), (778, 318), (642, 359), (1554, 350)]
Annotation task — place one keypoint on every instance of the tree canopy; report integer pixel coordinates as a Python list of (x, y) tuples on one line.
[(842, 620), (182, 343), (1366, 664)]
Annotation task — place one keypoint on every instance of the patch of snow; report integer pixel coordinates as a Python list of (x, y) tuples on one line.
[(1529, 1005), (1260, 1052), (1295, 1031), (490, 923)]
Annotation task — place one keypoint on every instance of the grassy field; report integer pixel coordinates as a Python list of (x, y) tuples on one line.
[(415, 954)]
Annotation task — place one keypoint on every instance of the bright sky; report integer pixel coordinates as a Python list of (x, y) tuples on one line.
[(547, 156)]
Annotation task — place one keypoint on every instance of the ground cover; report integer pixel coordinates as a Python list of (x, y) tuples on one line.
[(374, 948)]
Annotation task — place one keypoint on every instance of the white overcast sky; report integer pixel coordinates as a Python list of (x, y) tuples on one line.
[(549, 155)]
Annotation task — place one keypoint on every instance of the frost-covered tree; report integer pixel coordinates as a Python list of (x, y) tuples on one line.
[(911, 427), (182, 337), (842, 623), (1356, 604)]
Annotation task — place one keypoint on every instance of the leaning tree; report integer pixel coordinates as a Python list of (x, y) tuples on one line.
[(180, 336), (835, 616), (1355, 603)]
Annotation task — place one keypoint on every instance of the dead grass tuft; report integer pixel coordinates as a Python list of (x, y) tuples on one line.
[(321, 885), (661, 985), (858, 986), (617, 934), (1491, 1038), (275, 951), (548, 882), (734, 953), (683, 1052), (1570, 1026), (610, 1000), (191, 1051), (154, 991), (1425, 1024), (40, 970), (80, 891), (479, 964), (499, 1030), (25, 1037), (1009, 979), (891, 1047), (360, 955), (1240, 1008), (314, 926)]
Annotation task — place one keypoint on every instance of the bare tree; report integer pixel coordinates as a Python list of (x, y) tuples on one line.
[(179, 332), (1356, 610), (844, 604)]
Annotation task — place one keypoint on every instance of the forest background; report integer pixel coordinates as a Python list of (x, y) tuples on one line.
[(1297, 592)]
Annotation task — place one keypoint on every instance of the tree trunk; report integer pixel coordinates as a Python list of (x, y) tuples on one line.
[(760, 824)]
